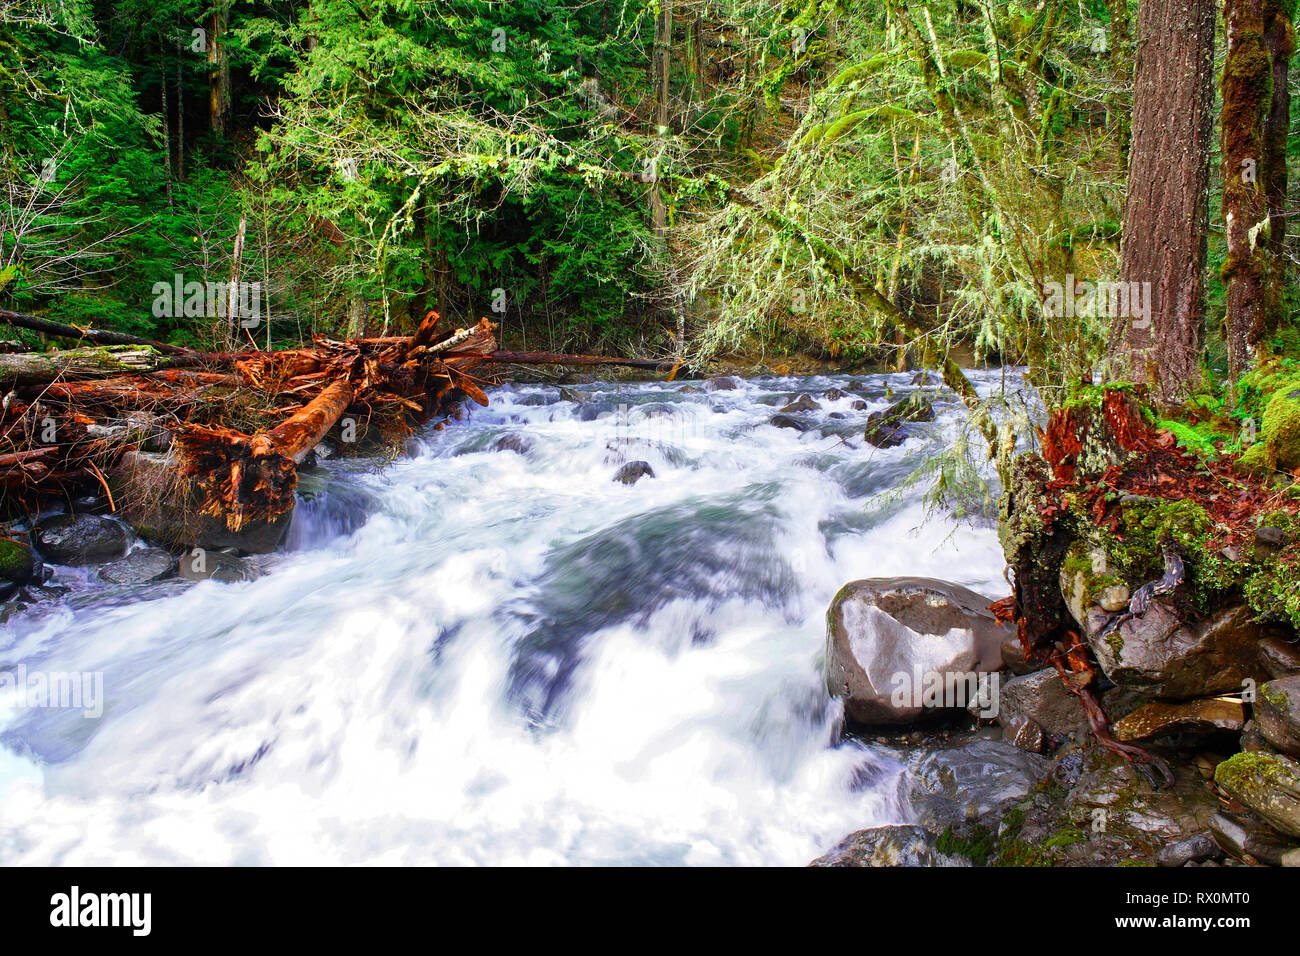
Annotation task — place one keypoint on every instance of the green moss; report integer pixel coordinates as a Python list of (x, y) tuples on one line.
[(1067, 837), (1274, 697), (1084, 579), (1245, 772), (1203, 439), (977, 848), (16, 560), (1015, 853), (1281, 429), (1148, 527), (1254, 461), (1080, 395)]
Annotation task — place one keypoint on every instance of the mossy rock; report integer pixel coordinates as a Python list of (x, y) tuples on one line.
[(1255, 461), (1281, 429), (17, 561), (1267, 784)]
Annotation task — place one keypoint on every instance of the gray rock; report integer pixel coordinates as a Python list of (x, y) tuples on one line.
[(202, 565), (888, 846), (514, 441), (859, 405), (1175, 660), (1270, 537), (633, 471), (1199, 847), (1013, 655), (140, 567), (1281, 655), (835, 394), (972, 783), (1277, 713), (786, 421), (1243, 838), (1266, 784), (575, 396), (887, 636), (1025, 734), (1041, 697), (81, 539), (804, 403), (689, 390), (720, 383)]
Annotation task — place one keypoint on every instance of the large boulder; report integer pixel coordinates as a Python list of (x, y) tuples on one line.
[(81, 539), (1281, 656), (1174, 658), (888, 846), (1266, 784), (891, 639), (1277, 713)]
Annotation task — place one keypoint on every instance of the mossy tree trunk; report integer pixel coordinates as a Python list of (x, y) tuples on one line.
[(1279, 36), (1247, 90), (1165, 215)]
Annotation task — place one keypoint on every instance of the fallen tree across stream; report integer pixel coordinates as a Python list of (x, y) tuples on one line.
[(223, 432)]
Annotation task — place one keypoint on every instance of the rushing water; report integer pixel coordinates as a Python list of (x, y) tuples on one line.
[(482, 656)]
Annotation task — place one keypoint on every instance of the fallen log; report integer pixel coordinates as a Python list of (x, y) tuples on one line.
[(248, 481), (211, 483), (98, 336), (34, 368)]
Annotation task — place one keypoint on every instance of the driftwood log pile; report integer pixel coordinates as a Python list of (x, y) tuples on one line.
[(220, 435)]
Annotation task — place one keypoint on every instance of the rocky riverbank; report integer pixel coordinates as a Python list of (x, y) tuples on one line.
[(1136, 701)]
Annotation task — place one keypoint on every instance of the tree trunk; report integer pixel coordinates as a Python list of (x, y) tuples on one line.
[(218, 70), (167, 129), (180, 110), (233, 298), (1247, 99), (1279, 36), (1165, 216), (663, 52)]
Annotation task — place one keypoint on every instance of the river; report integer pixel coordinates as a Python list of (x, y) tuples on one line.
[(478, 656)]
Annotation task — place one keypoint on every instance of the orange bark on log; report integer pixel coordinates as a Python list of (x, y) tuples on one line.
[(301, 432)]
